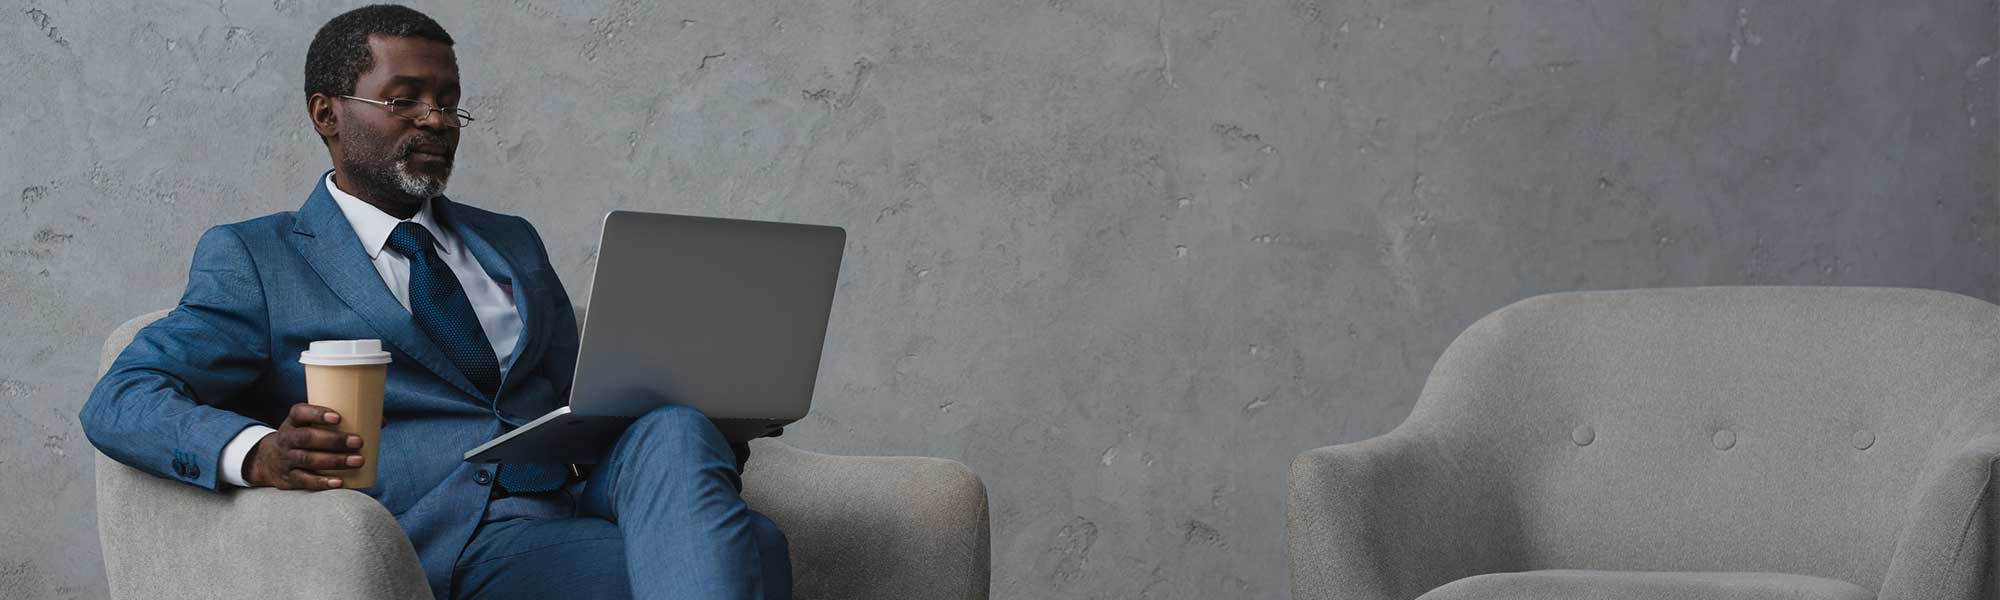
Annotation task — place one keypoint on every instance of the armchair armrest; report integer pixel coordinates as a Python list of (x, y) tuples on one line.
[(874, 527), (1945, 550), (1393, 517), (167, 539)]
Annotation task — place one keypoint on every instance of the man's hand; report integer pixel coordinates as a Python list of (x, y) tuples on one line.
[(292, 458)]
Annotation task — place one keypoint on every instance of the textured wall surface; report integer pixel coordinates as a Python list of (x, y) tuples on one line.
[(1125, 258)]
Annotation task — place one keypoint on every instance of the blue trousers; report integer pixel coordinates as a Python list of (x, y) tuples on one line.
[(661, 517)]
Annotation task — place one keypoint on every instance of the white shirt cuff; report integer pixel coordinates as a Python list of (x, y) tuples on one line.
[(238, 449)]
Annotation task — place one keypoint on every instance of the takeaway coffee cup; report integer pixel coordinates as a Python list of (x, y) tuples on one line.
[(348, 376)]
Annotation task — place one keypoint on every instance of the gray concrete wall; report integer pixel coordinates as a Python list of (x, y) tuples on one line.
[(1125, 258)]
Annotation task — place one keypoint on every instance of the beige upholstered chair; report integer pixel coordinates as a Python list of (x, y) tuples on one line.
[(1711, 443), (860, 527)]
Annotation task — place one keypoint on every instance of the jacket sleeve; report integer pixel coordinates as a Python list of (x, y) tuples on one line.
[(157, 407)]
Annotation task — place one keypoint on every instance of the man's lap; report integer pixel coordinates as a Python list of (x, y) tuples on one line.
[(571, 543), (575, 557), (581, 557)]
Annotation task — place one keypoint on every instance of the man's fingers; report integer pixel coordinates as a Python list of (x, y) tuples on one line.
[(322, 461), (307, 445), (303, 414), (314, 438), (307, 480)]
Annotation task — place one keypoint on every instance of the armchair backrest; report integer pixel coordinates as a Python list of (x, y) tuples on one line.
[(1783, 430), (122, 337)]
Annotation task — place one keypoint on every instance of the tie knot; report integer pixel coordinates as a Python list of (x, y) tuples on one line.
[(409, 239)]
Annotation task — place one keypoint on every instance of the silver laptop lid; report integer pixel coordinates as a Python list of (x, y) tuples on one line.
[(727, 316)]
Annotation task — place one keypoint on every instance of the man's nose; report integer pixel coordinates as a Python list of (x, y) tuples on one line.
[(433, 120)]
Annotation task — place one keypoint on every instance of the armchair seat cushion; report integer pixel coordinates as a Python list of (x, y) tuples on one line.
[(1646, 585)]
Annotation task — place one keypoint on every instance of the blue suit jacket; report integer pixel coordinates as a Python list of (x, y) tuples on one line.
[(259, 291)]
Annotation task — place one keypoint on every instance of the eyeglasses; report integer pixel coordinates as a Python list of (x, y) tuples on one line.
[(449, 116)]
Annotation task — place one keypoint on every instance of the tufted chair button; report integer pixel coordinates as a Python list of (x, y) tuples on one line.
[(1583, 435), (1864, 439), (1725, 439)]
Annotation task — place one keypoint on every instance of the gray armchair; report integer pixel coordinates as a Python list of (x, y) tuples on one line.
[(1709, 443), (859, 527)]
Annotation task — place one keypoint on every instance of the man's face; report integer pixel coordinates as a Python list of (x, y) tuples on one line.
[(391, 155)]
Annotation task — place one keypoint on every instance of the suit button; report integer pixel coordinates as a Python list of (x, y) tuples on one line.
[(180, 467), (482, 478), (194, 471)]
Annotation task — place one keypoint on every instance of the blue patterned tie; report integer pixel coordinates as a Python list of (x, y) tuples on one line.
[(440, 308)]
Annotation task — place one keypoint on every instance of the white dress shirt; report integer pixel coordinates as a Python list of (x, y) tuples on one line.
[(493, 304)]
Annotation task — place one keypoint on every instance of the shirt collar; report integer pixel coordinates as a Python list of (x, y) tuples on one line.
[(374, 226)]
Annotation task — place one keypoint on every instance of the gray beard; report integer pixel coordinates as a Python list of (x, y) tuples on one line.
[(386, 175), (421, 187)]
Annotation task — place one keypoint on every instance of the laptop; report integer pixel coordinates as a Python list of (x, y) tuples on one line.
[(726, 316)]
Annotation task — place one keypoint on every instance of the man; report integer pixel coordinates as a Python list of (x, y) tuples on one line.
[(482, 338)]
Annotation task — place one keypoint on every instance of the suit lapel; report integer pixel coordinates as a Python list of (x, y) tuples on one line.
[(328, 243), (501, 261)]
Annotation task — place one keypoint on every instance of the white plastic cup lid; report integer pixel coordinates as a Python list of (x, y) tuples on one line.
[(342, 353)]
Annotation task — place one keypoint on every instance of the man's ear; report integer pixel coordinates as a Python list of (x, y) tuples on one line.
[(325, 119)]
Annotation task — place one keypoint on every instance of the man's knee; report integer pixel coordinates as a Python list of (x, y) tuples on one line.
[(674, 418), (677, 429)]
